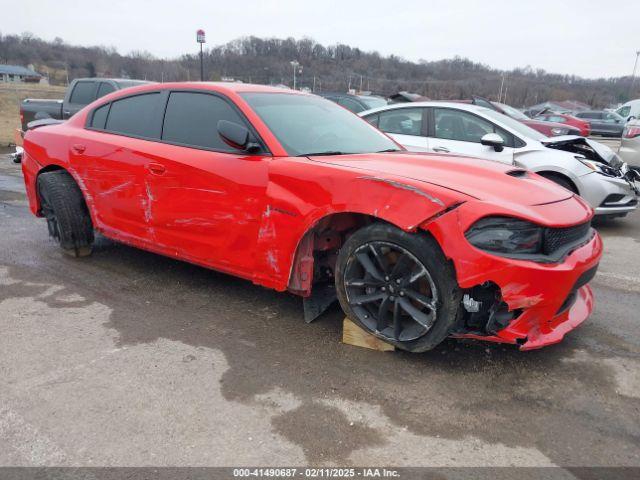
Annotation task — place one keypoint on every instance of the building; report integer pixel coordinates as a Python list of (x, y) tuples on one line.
[(16, 73)]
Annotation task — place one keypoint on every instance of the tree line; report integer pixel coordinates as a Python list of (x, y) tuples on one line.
[(322, 68)]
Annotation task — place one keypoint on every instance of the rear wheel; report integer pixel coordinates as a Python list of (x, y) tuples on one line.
[(68, 218), (398, 286)]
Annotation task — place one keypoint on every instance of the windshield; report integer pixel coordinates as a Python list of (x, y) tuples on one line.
[(515, 125), (311, 125), (372, 102), (512, 112)]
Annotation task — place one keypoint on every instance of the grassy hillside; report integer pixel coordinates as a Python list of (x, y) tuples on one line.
[(10, 97)]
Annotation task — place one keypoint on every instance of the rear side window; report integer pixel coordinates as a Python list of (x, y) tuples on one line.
[(104, 89), (191, 119), (136, 116), (405, 121), (100, 117), (83, 93)]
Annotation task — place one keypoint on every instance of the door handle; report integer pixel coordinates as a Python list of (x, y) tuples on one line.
[(67, 112), (78, 148), (441, 149), (157, 168)]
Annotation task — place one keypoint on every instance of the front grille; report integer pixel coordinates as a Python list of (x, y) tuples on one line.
[(556, 239)]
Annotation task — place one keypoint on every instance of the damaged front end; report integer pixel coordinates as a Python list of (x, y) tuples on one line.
[(597, 157), (529, 299)]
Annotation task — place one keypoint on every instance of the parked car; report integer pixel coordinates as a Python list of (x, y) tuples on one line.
[(582, 125), (608, 124), (81, 92), (549, 129), (629, 149), (293, 192), (630, 110), (583, 166), (355, 103), (545, 127)]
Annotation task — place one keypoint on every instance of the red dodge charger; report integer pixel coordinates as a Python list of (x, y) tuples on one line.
[(295, 193)]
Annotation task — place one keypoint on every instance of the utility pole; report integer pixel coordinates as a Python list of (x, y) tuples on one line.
[(200, 38), (501, 85), (295, 65), (633, 75)]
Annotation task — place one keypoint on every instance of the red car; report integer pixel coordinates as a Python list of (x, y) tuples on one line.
[(582, 125), (550, 128), (295, 193)]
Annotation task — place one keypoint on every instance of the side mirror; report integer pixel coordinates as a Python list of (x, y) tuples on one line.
[(493, 140), (631, 117), (237, 136)]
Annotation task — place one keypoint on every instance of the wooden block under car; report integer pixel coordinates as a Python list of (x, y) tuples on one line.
[(352, 334)]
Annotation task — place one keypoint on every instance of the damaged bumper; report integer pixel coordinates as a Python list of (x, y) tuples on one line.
[(535, 303)]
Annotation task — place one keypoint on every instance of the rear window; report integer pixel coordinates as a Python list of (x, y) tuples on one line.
[(137, 116), (83, 93), (192, 119)]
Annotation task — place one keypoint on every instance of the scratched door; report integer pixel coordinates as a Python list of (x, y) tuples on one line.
[(207, 197), (207, 206)]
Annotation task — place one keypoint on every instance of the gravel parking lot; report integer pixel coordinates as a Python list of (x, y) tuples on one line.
[(128, 358)]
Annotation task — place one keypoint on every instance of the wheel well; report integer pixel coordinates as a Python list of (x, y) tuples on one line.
[(317, 251), (550, 175), (53, 168)]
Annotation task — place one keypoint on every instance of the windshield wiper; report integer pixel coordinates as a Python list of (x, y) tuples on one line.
[(319, 154), (389, 150)]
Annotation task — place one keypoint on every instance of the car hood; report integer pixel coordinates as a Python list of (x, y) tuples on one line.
[(585, 147), (481, 179)]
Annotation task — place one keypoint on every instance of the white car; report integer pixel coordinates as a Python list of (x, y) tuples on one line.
[(588, 168)]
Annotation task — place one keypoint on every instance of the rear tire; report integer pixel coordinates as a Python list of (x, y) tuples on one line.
[(398, 286), (68, 219)]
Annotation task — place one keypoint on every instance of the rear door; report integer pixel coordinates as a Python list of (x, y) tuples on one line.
[(208, 198), (458, 131), (407, 126), (113, 156), (83, 93)]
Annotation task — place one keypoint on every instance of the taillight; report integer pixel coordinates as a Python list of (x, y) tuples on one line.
[(632, 132)]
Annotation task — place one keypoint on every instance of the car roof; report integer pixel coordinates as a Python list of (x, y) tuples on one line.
[(222, 87), (431, 103)]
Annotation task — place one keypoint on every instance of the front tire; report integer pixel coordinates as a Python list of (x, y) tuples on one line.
[(68, 219), (398, 286)]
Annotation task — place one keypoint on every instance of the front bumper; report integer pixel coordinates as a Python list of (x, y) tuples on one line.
[(599, 190), (549, 299)]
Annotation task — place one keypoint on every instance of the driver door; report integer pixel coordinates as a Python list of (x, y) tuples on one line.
[(459, 132)]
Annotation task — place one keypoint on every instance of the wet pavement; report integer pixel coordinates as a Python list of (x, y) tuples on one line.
[(130, 358)]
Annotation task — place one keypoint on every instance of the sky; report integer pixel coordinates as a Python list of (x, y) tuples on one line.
[(587, 38)]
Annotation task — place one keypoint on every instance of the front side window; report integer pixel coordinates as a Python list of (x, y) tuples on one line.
[(135, 116), (404, 121), (83, 93), (311, 125), (464, 126), (557, 119), (192, 119), (624, 111)]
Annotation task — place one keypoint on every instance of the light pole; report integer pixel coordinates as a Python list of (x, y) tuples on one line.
[(295, 65), (633, 75), (201, 40)]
